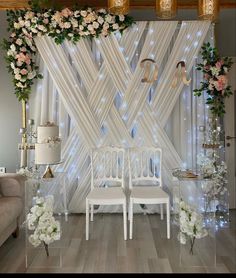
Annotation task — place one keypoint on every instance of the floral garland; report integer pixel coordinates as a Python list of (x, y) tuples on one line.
[(25, 25), (215, 82)]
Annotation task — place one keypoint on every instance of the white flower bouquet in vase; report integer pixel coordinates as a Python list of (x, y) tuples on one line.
[(40, 219)]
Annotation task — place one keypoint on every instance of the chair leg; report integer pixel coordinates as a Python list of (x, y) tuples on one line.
[(161, 206), (129, 211), (125, 220), (87, 219), (168, 218), (131, 220), (92, 210)]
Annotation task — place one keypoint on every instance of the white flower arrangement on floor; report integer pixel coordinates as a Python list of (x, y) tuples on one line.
[(191, 225), (40, 219)]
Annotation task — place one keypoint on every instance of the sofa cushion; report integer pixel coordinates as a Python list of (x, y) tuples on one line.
[(10, 209)]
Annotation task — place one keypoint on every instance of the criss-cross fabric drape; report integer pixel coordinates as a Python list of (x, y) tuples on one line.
[(93, 91)]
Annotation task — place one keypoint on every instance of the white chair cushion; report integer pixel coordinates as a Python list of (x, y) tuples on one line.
[(109, 195), (141, 193)]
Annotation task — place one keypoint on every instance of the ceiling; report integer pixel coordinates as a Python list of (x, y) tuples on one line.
[(134, 4)]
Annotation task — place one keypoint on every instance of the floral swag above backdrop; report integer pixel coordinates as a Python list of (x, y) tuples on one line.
[(68, 24)]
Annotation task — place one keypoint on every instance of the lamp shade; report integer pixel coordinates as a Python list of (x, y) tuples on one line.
[(118, 7), (208, 9), (166, 9)]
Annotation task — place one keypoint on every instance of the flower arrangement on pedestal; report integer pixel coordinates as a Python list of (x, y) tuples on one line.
[(215, 84), (65, 24), (40, 219), (191, 225)]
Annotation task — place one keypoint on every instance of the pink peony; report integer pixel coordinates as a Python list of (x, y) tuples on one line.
[(221, 83)]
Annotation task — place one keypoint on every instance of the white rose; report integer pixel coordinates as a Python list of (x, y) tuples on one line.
[(90, 27), (13, 47), (16, 70), (76, 14), (83, 13), (41, 27), (74, 23), (10, 53), (81, 27), (12, 65), (34, 20), (105, 26), (16, 25), (17, 76), (67, 25), (27, 23), (102, 11), (34, 30), (121, 17), (100, 20), (108, 18), (115, 26), (95, 25)]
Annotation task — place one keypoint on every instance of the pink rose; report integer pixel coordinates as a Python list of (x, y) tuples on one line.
[(23, 71), (218, 64), (221, 83)]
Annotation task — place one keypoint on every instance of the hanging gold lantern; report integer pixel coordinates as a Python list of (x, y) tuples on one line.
[(208, 9), (166, 9), (118, 7)]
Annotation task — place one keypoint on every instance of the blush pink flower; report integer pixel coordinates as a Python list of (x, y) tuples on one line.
[(66, 12), (221, 83), (24, 71), (219, 64)]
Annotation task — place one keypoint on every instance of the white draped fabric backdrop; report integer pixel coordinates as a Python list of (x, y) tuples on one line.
[(93, 91)]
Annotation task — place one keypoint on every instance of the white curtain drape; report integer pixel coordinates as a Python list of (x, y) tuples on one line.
[(92, 90)]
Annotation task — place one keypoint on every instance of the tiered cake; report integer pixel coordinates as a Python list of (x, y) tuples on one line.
[(48, 146)]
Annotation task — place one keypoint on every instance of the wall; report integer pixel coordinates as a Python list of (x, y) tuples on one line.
[(10, 108), (10, 111)]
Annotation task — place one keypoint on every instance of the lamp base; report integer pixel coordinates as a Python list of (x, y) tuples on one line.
[(48, 173)]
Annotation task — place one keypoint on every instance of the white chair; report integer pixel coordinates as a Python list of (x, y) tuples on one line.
[(107, 182), (145, 181)]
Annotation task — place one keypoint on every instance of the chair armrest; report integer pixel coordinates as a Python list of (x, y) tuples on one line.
[(12, 185)]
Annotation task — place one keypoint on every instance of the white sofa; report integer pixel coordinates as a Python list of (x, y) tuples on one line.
[(12, 193)]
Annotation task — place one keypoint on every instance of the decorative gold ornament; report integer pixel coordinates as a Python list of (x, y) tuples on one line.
[(166, 9), (208, 9), (180, 74), (118, 7), (147, 63), (48, 173)]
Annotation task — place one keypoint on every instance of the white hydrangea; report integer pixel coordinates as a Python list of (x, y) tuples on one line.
[(41, 220), (191, 224)]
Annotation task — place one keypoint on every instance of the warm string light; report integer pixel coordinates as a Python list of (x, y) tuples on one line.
[(118, 7), (166, 9), (208, 9)]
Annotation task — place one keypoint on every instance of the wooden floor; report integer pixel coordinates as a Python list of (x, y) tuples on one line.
[(106, 251)]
